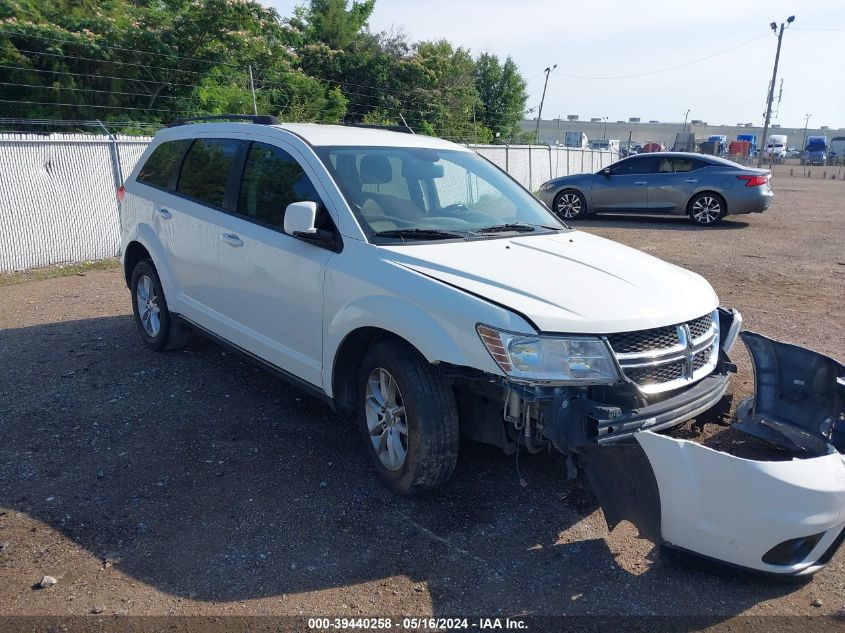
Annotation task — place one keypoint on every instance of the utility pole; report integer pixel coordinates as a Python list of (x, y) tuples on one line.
[(605, 128), (543, 98), (558, 130), (252, 87), (686, 114), (771, 97)]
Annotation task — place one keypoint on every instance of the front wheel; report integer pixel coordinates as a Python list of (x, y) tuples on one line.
[(569, 205), (706, 209), (408, 418)]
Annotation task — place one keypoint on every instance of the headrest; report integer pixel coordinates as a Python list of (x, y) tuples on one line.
[(375, 170)]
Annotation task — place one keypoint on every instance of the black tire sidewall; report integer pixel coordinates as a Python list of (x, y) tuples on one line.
[(581, 197), (705, 194), (158, 342), (398, 360)]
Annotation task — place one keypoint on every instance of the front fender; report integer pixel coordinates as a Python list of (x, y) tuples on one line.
[(436, 341)]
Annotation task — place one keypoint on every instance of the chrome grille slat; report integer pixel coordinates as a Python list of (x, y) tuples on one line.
[(664, 358)]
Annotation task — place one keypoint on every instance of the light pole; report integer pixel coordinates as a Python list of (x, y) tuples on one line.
[(686, 114), (806, 122), (543, 98), (605, 128), (771, 95)]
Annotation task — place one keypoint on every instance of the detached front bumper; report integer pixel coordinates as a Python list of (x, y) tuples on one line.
[(784, 517)]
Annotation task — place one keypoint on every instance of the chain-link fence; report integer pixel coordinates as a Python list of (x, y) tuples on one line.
[(58, 202)]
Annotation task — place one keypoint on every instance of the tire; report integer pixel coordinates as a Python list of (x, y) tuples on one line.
[(569, 205), (706, 208), (429, 416), (158, 328)]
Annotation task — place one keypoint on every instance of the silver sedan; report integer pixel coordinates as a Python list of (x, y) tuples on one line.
[(706, 188)]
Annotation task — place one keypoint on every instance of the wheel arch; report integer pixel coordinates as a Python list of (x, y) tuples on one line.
[(143, 243), (711, 192)]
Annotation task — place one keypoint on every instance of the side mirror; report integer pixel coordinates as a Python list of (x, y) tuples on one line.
[(606, 172), (300, 218)]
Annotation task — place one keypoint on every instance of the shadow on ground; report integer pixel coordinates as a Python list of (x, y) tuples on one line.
[(205, 477), (654, 221)]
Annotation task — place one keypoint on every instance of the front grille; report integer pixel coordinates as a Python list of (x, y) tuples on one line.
[(664, 358), (644, 340), (701, 359), (700, 326), (656, 373)]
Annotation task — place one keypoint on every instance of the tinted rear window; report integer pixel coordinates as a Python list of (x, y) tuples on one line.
[(160, 168), (206, 169)]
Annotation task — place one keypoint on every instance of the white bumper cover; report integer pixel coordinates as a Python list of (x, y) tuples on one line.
[(738, 510)]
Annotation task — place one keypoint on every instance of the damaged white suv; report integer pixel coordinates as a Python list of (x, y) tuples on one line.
[(412, 283)]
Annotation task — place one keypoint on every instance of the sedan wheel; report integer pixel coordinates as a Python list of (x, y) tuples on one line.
[(706, 209), (148, 306), (569, 205)]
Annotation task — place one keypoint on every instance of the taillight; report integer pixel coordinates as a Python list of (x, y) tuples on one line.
[(121, 193), (754, 181)]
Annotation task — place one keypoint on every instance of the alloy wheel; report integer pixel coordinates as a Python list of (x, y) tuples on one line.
[(386, 419), (706, 210), (569, 205), (148, 306)]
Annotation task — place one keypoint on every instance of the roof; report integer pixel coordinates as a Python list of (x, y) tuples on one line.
[(318, 134)]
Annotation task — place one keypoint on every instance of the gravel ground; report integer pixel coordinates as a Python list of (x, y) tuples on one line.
[(193, 483)]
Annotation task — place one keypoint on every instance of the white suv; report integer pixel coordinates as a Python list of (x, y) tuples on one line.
[(412, 283)]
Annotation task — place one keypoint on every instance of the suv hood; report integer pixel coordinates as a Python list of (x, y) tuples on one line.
[(565, 282)]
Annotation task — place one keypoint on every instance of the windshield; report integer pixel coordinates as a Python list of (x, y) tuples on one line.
[(402, 193), (816, 146)]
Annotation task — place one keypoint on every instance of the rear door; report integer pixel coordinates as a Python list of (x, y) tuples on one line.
[(186, 180), (674, 183), (626, 188), (271, 284)]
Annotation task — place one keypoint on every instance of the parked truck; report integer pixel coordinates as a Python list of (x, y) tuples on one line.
[(720, 142), (836, 156), (575, 139), (775, 148), (752, 140), (815, 151)]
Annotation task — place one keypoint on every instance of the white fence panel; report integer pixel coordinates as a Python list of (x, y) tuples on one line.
[(57, 192)]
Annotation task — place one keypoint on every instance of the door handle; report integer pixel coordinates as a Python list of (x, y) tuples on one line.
[(640, 182), (232, 240), (164, 214), (691, 180)]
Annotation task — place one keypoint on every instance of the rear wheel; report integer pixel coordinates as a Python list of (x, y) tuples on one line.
[(408, 418), (159, 330), (569, 205), (706, 209)]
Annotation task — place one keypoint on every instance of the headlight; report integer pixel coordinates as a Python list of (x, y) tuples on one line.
[(557, 359), (547, 186)]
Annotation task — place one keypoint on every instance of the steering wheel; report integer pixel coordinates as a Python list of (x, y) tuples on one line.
[(462, 208)]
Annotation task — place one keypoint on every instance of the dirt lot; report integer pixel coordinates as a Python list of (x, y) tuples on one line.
[(193, 483)]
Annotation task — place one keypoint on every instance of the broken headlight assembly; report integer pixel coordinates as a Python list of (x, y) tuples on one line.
[(579, 360)]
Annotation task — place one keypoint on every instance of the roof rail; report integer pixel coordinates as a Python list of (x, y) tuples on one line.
[(260, 119), (388, 128)]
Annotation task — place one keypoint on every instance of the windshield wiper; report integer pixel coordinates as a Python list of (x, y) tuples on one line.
[(419, 234), (518, 227)]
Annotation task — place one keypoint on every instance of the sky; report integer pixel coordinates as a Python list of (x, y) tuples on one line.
[(594, 43)]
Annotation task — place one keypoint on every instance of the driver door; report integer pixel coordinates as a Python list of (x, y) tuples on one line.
[(626, 188)]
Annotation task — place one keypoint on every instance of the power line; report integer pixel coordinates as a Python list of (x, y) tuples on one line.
[(85, 105), (120, 48), (65, 72), (668, 68), (108, 61)]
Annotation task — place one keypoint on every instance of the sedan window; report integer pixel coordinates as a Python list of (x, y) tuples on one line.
[(633, 166)]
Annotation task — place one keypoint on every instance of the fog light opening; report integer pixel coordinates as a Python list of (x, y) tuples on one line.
[(792, 551)]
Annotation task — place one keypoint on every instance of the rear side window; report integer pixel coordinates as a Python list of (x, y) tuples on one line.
[(205, 169), (272, 180), (160, 168)]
